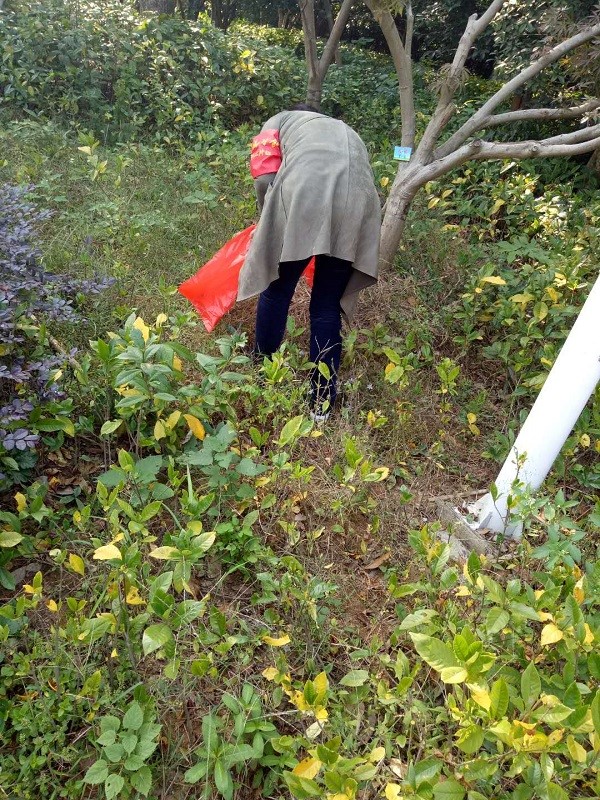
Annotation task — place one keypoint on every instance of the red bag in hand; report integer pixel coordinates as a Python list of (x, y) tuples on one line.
[(213, 289)]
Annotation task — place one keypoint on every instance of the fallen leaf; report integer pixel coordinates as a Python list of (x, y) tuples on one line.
[(379, 561)]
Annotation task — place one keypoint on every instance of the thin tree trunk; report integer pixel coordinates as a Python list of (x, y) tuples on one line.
[(329, 17), (403, 191)]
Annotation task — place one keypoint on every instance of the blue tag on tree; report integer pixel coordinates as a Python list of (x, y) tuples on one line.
[(402, 153)]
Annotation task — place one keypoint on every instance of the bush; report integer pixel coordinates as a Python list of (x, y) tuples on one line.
[(31, 401)]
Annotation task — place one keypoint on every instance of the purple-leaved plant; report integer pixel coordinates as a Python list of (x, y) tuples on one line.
[(28, 294)]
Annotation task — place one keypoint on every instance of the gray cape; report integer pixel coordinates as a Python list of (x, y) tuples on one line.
[(322, 201)]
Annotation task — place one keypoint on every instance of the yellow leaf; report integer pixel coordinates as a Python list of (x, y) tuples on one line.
[(21, 502), (308, 768), (384, 181), (195, 526), (584, 440), (196, 427), (270, 673), (172, 420), (76, 564), (159, 430), (177, 364), (578, 592), (280, 642), (589, 636), (471, 418), (160, 320), (114, 653), (321, 683), (554, 737), (141, 326), (378, 754), (551, 634), (496, 280), (87, 150), (133, 597), (51, 605), (576, 751), (392, 791), (321, 714), (481, 696), (28, 588), (107, 552), (463, 591), (545, 616)]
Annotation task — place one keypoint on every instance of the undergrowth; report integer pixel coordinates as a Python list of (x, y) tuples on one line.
[(205, 595)]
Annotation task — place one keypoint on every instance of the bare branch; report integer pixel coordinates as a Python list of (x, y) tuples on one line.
[(496, 150), (444, 110), (334, 37), (582, 135), (541, 114), (475, 27), (403, 66), (476, 122)]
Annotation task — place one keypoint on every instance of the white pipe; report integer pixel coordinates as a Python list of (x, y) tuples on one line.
[(568, 387)]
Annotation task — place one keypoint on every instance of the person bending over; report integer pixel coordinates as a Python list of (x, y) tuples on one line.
[(317, 197)]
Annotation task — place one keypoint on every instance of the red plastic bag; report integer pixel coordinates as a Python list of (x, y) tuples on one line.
[(213, 289)]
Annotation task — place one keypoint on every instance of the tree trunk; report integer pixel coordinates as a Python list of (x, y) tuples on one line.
[(157, 6), (594, 162), (405, 187), (329, 16), (195, 7), (223, 13)]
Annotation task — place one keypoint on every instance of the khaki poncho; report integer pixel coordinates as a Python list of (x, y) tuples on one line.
[(321, 201)]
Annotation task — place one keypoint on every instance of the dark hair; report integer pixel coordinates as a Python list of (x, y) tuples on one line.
[(305, 107)]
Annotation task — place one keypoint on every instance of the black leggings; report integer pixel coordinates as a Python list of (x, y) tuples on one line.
[(331, 278)]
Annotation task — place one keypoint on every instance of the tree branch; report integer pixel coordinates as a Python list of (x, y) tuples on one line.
[(581, 135), (334, 37), (476, 122), (444, 109), (403, 66), (410, 28), (496, 150), (540, 113)]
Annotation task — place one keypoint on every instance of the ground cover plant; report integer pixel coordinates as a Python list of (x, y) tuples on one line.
[(203, 595)]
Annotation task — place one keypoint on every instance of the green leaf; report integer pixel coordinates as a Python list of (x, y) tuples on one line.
[(555, 792), (113, 785), (223, 780), (237, 754), (114, 752), (499, 699), (496, 619), (291, 430), (133, 763), (108, 737), (129, 742), (134, 717), (453, 674), (595, 709), (197, 772), (356, 677), (142, 780), (470, 739), (10, 538), (420, 617), (155, 637), (433, 651), (301, 787), (97, 773), (531, 685), (110, 427), (448, 790)]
